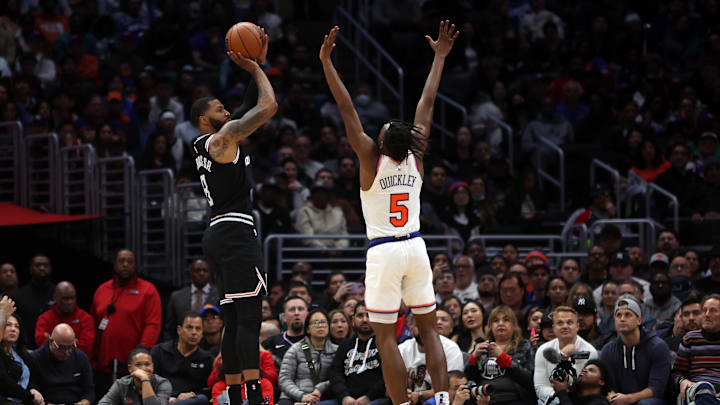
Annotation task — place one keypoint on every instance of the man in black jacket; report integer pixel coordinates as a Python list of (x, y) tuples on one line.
[(591, 388), (355, 374), (295, 311), (65, 373), (184, 363)]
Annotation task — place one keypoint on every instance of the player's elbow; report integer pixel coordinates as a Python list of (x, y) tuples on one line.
[(270, 107)]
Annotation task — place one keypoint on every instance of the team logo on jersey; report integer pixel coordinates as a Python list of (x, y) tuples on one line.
[(247, 160)]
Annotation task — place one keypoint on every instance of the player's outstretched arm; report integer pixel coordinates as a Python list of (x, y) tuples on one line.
[(442, 47), (223, 147), (362, 144), (251, 91)]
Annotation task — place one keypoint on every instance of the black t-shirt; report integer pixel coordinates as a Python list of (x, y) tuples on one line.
[(226, 185)]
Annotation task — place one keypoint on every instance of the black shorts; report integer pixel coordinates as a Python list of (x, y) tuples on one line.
[(233, 251)]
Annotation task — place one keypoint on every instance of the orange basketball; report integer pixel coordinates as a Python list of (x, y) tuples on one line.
[(244, 38)]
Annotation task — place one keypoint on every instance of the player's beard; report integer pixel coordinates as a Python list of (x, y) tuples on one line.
[(216, 124)]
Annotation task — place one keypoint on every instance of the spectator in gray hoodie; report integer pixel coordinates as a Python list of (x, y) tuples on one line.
[(142, 386), (639, 362), (298, 381)]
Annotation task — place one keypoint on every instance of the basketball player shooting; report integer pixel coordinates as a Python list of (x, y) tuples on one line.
[(391, 175), (231, 241)]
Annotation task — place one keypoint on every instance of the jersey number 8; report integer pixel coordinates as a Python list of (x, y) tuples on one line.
[(396, 208), (206, 189)]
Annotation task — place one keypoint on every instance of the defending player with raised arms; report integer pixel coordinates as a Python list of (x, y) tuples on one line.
[(398, 267), (231, 240)]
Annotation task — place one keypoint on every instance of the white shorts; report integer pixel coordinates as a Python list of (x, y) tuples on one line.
[(395, 271)]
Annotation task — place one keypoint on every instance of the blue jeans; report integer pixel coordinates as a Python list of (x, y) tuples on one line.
[(702, 393), (199, 399), (651, 401)]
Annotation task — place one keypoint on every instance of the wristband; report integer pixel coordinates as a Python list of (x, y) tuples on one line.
[(145, 380)]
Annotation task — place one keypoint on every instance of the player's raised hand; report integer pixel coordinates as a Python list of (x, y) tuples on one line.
[(329, 43), (263, 52), (244, 63), (446, 39)]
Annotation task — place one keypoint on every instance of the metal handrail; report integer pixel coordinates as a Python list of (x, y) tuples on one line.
[(382, 58), (449, 243), (511, 141), (52, 170), (17, 155), (84, 154), (599, 164), (560, 181), (441, 103), (646, 236), (654, 188)]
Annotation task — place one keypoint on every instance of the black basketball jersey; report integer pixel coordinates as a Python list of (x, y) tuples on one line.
[(226, 185)]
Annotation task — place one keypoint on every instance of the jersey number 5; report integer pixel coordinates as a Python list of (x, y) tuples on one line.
[(206, 189), (396, 208)]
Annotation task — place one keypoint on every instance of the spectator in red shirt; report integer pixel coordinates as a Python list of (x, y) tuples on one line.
[(49, 22), (65, 310), (127, 313)]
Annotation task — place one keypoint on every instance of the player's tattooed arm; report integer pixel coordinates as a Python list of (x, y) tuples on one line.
[(222, 146)]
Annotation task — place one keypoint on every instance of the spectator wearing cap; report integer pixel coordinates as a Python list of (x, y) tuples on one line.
[(707, 148), (66, 311), (695, 371), (621, 270), (538, 267), (640, 362), (192, 297), (711, 284), (212, 329), (681, 276), (319, 217), (164, 100), (465, 286), (662, 305), (587, 319), (707, 204), (680, 180), (546, 332), (659, 262), (458, 215), (601, 207), (184, 363), (668, 243)]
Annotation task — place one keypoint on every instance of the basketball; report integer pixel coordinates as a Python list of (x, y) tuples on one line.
[(244, 38)]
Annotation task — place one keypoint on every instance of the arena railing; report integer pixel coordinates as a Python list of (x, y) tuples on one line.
[(117, 204), (558, 182), (12, 163), (509, 135), (281, 251), (78, 183), (369, 57), (638, 186), (442, 125), (157, 250), (193, 214), (597, 164), (647, 230), (42, 172), (673, 203)]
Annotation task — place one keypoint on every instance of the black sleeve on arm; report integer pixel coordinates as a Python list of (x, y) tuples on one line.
[(249, 100)]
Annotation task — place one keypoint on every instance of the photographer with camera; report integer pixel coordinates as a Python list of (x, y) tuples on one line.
[(505, 361), (640, 362), (592, 386), (567, 354), (467, 392)]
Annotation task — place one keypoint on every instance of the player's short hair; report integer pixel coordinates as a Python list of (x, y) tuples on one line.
[(400, 137), (199, 108)]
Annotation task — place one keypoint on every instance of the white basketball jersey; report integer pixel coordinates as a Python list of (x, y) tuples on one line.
[(392, 205)]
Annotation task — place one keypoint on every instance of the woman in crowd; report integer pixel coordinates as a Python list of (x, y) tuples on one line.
[(694, 261), (606, 307), (651, 162), (459, 214), (299, 382), (472, 330), (339, 326), (506, 360), (557, 292), (454, 307), (299, 192), (142, 386), (577, 290), (445, 324), (267, 312), (17, 369), (546, 331), (157, 154), (534, 317), (440, 262)]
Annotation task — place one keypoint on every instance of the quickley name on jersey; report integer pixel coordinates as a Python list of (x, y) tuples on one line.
[(397, 180), (226, 185)]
